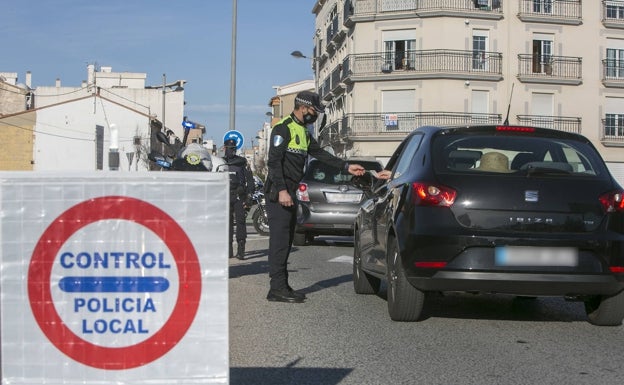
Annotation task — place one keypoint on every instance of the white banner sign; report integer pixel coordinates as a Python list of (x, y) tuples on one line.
[(114, 278)]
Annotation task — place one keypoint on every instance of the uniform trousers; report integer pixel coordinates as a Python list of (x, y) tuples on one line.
[(237, 210), (282, 222)]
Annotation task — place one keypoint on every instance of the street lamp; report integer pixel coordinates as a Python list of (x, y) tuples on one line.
[(299, 55)]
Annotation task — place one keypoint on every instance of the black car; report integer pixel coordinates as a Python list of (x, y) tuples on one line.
[(493, 209), (328, 201)]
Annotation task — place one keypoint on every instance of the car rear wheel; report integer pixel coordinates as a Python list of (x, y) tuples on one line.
[(605, 310), (363, 283), (405, 302)]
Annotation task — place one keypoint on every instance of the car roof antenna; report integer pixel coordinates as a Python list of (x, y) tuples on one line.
[(506, 123)]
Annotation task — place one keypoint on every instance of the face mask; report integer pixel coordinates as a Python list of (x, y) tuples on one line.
[(309, 118), (230, 152)]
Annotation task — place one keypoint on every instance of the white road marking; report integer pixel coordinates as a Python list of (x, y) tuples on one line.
[(343, 259)]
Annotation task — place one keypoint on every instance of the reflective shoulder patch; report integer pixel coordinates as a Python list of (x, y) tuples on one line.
[(277, 140)]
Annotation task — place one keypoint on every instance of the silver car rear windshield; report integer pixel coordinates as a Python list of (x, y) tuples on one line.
[(324, 173), (515, 155)]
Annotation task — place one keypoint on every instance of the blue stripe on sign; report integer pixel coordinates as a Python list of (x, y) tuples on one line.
[(114, 284)]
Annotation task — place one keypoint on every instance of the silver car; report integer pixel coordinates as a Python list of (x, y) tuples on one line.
[(328, 202)]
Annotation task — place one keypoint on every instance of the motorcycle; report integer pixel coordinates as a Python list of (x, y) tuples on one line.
[(259, 217), (192, 157)]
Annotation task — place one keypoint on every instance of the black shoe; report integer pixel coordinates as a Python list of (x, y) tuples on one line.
[(296, 293), (283, 296), (240, 252)]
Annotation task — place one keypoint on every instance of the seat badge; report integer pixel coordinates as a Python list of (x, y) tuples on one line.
[(531, 196)]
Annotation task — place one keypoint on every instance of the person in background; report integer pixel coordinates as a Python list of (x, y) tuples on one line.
[(290, 145), (239, 196)]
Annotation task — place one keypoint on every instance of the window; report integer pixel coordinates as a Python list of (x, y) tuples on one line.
[(479, 49), (399, 50), (394, 105), (542, 54), (615, 63), (405, 159), (479, 106), (614, 125), (542, 6), (615, 9)]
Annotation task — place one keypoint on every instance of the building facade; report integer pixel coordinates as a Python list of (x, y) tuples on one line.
[(385, 67), (106, 123)]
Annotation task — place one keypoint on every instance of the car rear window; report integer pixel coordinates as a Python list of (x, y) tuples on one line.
[(323, 173), (514, 154)]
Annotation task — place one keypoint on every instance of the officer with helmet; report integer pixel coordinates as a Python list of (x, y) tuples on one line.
[(290, 145), (239, 196)]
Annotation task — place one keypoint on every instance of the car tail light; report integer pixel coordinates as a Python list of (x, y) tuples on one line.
[(302, 193), (430, 265), (612, 201), (515, 129), (431, 195), (617, 269)]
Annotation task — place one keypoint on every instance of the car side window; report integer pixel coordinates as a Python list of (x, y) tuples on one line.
[(405, 158)]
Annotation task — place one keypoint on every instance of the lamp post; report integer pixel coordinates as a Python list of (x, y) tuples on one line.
[(299, 55), (233, 71), (163, 102)]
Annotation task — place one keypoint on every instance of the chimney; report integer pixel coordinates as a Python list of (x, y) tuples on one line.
[(91, 74), (58, 83), (28, 79)]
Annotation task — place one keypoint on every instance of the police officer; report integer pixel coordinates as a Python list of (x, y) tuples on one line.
[(239, 196), (288, 152)]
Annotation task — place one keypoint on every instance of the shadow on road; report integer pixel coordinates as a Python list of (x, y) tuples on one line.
[(287, 376)]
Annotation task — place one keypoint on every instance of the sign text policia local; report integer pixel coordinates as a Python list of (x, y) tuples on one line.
[(114, 277)]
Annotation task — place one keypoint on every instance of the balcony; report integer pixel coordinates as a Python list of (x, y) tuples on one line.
[(376, 10), (613, 73), (612, 14), (550, 69), (612, 133), (551, 11), (399, 124), (561, 123), (425, 64)]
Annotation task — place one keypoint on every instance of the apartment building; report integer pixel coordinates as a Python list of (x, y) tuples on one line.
[(385, 67)]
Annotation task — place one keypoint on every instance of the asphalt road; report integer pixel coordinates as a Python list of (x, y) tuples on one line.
[(338, 337)]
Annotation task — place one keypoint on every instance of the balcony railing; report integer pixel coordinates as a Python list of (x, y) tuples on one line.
[(613, 73), (550, 69), (363, 9), (612, 14), (437, 63), (612, 133), (551, 11), (561, 123), (371, 124)]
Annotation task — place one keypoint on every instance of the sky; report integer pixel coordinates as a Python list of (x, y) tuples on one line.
[(184, 39)]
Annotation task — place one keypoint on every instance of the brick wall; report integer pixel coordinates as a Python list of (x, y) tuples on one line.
[(16, 142)]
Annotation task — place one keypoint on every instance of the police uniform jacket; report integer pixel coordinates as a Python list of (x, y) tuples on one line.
[(291, 143)]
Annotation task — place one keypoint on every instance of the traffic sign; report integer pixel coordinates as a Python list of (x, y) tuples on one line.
[(88, 299), (237, 136)]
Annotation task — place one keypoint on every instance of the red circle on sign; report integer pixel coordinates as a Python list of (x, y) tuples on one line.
[(106, 208)]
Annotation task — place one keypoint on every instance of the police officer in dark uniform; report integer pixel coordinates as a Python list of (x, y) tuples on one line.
[(239, 196), (288, 153)]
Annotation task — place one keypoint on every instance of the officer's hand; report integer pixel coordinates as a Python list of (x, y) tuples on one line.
[(384, 174), (356, 169), (248, 202), (284, 198)]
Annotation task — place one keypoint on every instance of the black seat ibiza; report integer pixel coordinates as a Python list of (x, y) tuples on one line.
[(493, 209)]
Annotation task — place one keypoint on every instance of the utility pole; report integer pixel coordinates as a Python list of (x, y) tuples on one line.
[(233, 71)]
